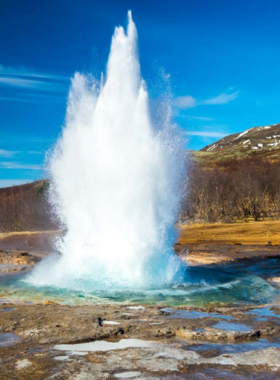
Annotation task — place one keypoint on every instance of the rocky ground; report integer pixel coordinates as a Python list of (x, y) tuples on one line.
[(16, 261), (20, 251), (53, 341)]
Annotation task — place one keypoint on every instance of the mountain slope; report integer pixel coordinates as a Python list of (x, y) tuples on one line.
[(262, 142)]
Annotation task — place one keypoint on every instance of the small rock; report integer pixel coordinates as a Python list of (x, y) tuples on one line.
[(20, 364), (50, 303)]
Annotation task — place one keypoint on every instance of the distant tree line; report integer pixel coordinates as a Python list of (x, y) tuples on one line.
[(232, 190), (223, 191)]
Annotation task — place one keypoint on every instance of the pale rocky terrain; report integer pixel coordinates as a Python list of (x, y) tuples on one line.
[(153, 343)]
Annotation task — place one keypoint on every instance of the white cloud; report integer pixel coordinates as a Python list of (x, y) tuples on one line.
[(27, 72), (35, 152), (28, 86), (188, 101), (201, 118), (223, 98), (28, 97), (7, 153), (205, 134), (18, 165), (18, 99), (20, 82), (34, 139), (184, 102), (32, 83), (14, 182)]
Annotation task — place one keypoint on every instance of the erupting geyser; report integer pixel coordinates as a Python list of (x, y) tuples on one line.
[(115, 183)]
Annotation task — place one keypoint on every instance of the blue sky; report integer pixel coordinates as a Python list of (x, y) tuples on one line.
[(222, 57)]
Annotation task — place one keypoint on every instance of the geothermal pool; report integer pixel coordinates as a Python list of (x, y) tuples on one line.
[(236, 284)]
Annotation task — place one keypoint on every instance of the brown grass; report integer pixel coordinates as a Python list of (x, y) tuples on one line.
[(244, 233), (28, 233)]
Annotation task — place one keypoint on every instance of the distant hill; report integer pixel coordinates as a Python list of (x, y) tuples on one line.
[(260, 142), (25, 208)]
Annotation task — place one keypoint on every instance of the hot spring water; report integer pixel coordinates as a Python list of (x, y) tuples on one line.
[(115, 180)]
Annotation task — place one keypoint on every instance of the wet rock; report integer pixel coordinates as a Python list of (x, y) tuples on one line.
[(16, 261), (49, 303), (270, 331), (274, 279), (215, 334), (165, 333), (268, 357), (127, 375), (100, 321), (126, 316), (174, 349), (21, 364)]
